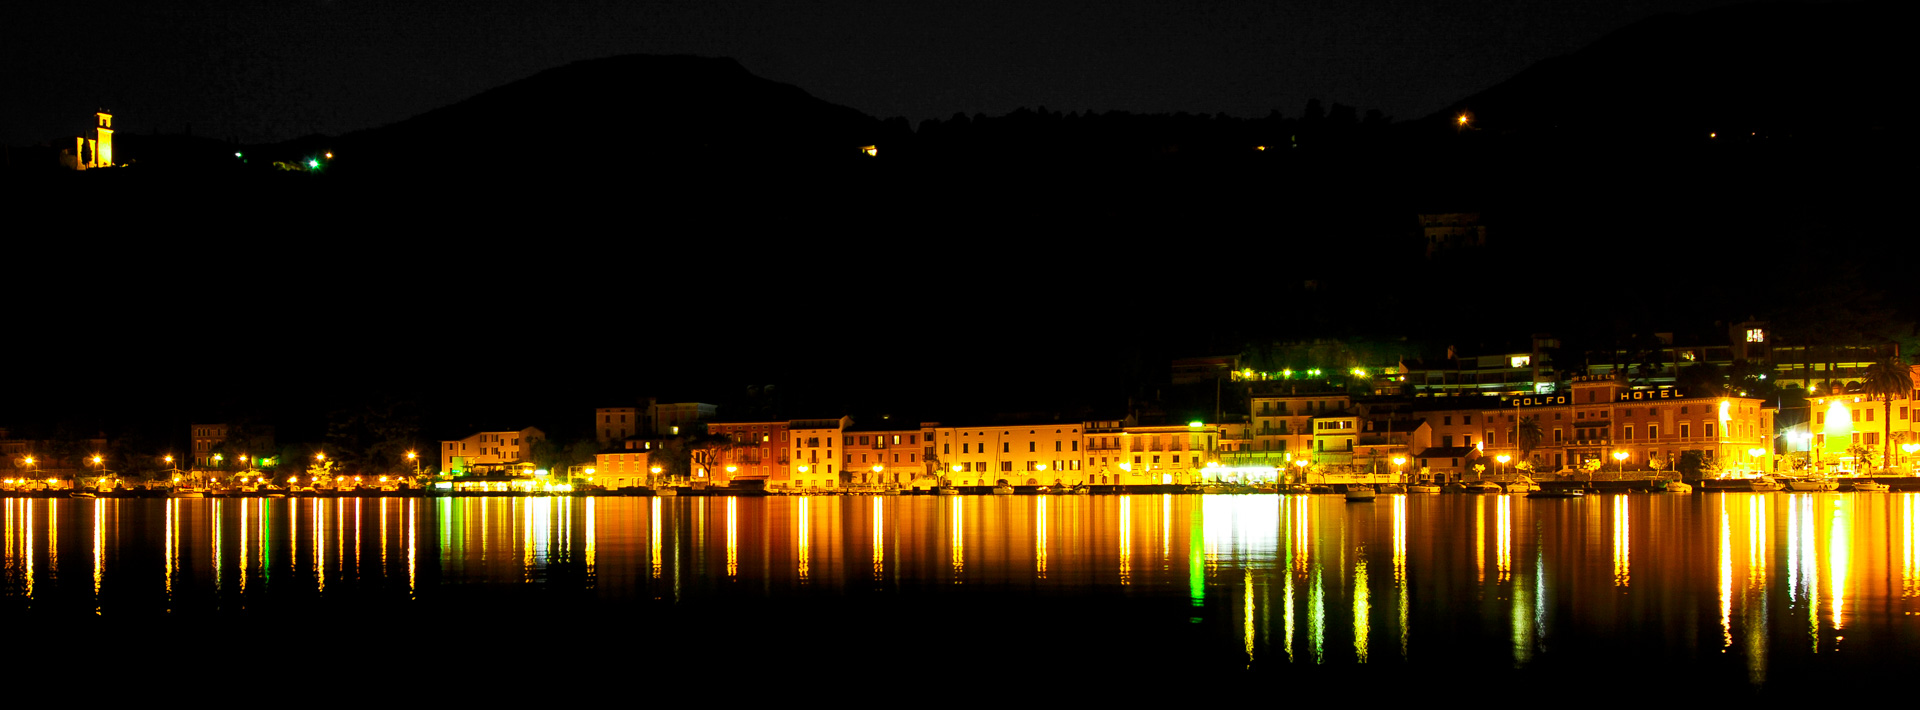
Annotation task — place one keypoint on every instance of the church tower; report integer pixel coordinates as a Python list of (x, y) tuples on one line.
[(103, 145)]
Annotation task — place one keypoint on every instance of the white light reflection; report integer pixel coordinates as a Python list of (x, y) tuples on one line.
[(804, 554), (1622, 543), (1039, 539), (733, 537), (654, 539), (1726, 578), (1126, 540)]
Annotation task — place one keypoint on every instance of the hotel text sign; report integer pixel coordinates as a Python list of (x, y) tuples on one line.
[(1638, 395), (1543, 400)]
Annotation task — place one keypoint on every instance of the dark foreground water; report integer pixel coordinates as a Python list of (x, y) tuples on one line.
[(1734, 592)]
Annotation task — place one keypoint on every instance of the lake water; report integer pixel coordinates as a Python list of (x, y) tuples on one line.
[(1728, 591)]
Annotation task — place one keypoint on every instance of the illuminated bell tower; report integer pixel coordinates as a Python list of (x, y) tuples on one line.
[(103, 149)]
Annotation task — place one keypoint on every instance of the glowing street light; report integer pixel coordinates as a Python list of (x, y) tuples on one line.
[(1619, 459)]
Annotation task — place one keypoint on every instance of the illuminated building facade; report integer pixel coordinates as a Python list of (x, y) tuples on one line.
[(814, 466), (1454, 231), (1601, 416), (95, 152), (1167, 454), (1283, 423), (1508, 372), (758, 450), (621, 468), (883, 454), (488, 450), (205, 438), (1038, 454), (1850, 433)]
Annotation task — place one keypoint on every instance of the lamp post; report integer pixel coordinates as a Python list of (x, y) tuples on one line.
[(1619, 460), (956, 469), (1756, 453), (651, 481), (1909, 448), (1503, 459), (101, 466), (1398, 475)]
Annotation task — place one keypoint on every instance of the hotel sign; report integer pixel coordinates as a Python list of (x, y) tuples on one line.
[(1640, 395), (1542, 400)]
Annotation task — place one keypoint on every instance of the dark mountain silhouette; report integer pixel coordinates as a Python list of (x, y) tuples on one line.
[(1765, 68), (618, 113)]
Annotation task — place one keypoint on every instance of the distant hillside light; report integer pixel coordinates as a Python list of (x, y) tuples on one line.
[(1463, 119), (313, 163), (871, 151)]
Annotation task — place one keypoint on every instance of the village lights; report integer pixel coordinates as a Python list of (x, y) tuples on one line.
[(957, 467), (322, 456)]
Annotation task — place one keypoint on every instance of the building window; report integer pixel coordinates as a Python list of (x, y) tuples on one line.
[(1626, 433), (1653, 431), (1683, 430)]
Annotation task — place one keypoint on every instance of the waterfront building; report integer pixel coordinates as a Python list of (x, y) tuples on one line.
[(1850, 433), (622, 468), (1029, 454), (1163, 454), (1452, 232), (1499, 372), (814, 443), (754, 451), (1283, 416), (883, 454), (488, 451), (204, 439)]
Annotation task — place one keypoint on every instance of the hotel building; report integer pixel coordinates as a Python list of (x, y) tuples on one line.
[(1016, 455), (814, 443), (758, 451), (489, 451)]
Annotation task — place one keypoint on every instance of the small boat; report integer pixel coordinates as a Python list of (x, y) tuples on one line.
[(1360, 494), (81, 494), (1868, 486), (1455, 487), (1762, 484), (949, 491), (1558, 493), (1081, 490), (1678, 487), (1482, 487), (1297, 489), (1003, 490), (186, 493), (1812, 485), (1393, 489), (1423, 488), (1523, 485)]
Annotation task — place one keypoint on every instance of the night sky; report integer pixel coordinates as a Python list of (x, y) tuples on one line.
[(259, 71)]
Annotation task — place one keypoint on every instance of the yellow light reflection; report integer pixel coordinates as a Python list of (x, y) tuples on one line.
[(1480, 538), (1166, 529), (172, 503), (412, 555), (1400, 566), (655, 537), (1039, 538), (879, 540), (1909, 583), (803, 556), (733, 537), (1503, 544), (1362, 607), (1839, 561), (1246, 613), (243, 546), (1622, 543), (1317, 616), (29, 549), (1726, 578), (592, 534), (1126, 540), (99, 549), (320, 543)]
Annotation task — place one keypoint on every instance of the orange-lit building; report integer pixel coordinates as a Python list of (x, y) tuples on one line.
[(621, 468), (883, 454), (205, 438), (813, 462), (1849, 434), (488, 450), (759, 452), (1148, 455), (1035, 454)]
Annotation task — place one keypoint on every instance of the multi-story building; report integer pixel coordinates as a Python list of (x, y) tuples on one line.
[(1856, 432), (488, 451), (758, 451), (622, 468), (1602, 416), (883, 454), (1283, 420), (669, 419), (813, 464), (1506, 372), (1175, 453), (611, 424), (1032, 454), (205, 438)]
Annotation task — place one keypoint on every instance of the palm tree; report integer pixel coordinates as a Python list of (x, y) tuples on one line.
[(1529, 431), (1886, 379)]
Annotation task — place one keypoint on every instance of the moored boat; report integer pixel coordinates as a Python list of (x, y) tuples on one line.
[(1481, 487), (1003, 490), (1762, 484), (1568, 492), (1869, 486), (1812, 485), (1522, 485), (949, 491), (1423, 488), (1677, 487), (1360, 494)]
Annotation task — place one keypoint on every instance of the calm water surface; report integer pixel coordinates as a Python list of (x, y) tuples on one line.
[(1738, 589)]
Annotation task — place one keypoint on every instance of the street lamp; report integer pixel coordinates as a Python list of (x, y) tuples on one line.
[(1909, 448), (1399, 475), (1619, 459), (1756, 452), (1503, 459)]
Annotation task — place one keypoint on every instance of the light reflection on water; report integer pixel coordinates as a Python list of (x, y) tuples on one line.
[(1261, 575)]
